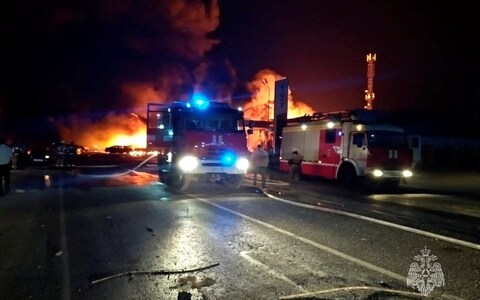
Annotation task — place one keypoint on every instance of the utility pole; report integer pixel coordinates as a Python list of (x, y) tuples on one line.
[(269, 101), (369, 94)]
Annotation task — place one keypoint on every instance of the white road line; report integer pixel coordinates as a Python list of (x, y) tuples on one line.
[(271, 271), (360, 262), (385, 223)]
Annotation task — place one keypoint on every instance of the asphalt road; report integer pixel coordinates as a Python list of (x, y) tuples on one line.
[(63, 234)]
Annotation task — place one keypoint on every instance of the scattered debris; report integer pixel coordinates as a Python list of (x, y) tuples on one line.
[(188, 283), (154, 272)]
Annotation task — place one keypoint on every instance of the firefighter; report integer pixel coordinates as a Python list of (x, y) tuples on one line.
[(61, 152), (16, 154), (260, 163), (295, 166)]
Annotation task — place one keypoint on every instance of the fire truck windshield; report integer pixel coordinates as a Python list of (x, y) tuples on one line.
[(378, 138), (215, 121)]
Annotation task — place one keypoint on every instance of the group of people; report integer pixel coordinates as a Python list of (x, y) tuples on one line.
[(9, 160), (261, 160)]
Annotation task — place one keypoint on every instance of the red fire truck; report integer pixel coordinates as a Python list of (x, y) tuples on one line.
[(198, 140), (348, 146)]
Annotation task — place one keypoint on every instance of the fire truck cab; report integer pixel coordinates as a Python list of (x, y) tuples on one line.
[(348, 146), (198, 141)]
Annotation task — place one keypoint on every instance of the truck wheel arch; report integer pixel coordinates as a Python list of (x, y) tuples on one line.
[(347, 173)]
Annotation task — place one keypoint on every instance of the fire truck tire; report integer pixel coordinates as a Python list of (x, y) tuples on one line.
[(178, 181), (347, 175), (233, 181)]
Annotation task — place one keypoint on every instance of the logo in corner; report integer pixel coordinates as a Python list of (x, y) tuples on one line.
[(425, 273)]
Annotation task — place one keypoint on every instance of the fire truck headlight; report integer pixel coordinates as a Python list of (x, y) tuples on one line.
[(377, 173), (242, 164), (407, 173), (188, 163)]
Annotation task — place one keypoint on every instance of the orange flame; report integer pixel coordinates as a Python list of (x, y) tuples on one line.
[(113, 130), (261, 106), (263, 90), (130, 130)]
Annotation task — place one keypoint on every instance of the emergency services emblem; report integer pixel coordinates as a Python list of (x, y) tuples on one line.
[(425, 274)]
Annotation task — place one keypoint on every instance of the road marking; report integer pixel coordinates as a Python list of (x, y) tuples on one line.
[(348, 289), (385, 223), (360, 262), (271, 271)]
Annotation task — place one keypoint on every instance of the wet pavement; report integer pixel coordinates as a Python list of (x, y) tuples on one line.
[(436, 191)]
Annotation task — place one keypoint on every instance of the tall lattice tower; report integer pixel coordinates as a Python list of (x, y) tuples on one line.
[(369, 94)]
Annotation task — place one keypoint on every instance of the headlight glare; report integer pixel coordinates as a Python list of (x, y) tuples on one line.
[(242, 164), (377, 173), (188, 163), (407, 173)]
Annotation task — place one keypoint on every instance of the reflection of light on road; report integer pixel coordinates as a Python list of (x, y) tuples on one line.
[(444, 203), (384, 197), (270, 271), (185, 248), (48, 181)]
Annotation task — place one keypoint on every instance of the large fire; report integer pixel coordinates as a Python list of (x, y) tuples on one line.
[(262, 88), (130, 129), (125, 130), (184, 32), (261, 106)]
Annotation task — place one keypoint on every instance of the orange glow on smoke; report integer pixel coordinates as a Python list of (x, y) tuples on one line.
[(124, 130), (261, 106), (130, 129)]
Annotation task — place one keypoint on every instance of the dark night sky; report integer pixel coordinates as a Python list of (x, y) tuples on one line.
[(85, 60)]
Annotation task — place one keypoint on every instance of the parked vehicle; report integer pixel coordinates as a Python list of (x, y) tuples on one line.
[(348, 146), (117, 149), (199, 140), (41, 155)]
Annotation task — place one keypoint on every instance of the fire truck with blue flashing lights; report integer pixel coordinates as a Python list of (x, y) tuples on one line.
[(349, 146), (198, 140)]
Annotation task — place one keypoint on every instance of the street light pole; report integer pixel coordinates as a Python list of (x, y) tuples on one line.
[(265, 83)]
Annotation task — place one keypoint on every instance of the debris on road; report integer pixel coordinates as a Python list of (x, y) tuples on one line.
[(154, 272)]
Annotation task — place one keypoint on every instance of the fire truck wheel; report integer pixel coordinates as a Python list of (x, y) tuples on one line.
[(179, 181), (347, 175), (233, 181)]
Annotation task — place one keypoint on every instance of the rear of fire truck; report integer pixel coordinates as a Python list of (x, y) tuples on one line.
[(198, 140)]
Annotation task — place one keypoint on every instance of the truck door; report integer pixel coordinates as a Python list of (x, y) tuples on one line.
[(358, 149), (159, 127)]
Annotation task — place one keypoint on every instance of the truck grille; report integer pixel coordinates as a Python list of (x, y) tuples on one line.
[(215, 158)]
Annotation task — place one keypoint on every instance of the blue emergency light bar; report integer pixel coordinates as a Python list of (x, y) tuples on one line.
[(200, 104)]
